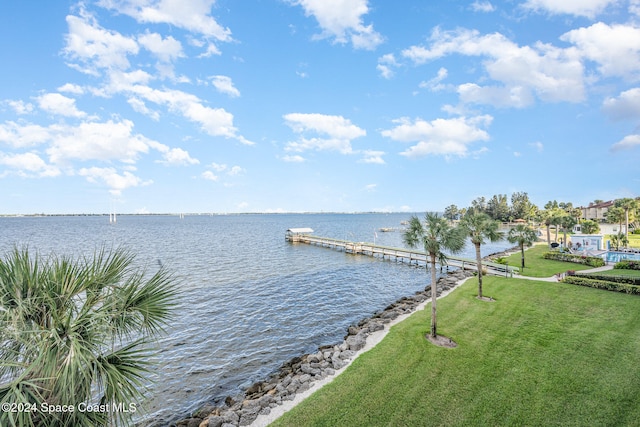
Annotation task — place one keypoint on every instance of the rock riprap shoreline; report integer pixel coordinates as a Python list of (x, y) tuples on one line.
[(300, 374)]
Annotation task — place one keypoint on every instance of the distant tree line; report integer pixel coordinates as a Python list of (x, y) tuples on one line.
[(561, 216)]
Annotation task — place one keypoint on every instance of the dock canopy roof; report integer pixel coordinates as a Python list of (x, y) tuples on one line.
[(300, 230)]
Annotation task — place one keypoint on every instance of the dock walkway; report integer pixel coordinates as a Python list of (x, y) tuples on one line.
[(398, 254)]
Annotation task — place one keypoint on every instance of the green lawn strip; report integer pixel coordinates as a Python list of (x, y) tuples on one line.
[(542, 354), (536, 266)]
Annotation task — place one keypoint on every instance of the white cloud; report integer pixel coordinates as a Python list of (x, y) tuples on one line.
[(615, 48), (294, 159), (553, 74), (373, 157), (342, 19), (192, 15), (482, 6), (20, 107), (214, 121), (235, 170), (446, 137), (385, 66), (114, 181), (28, 164), (231, 171), (71, 88), (586, 8), (539, 146), (499, 96), (219, 167), (223, 84), (435, 84), (23, 135), (97, 141), (96, 48), (139, 106), (627, 143), (165, 49), (338, 131), (178, 157), (210, 176), (625, 106), (56, 103), (370, 187)]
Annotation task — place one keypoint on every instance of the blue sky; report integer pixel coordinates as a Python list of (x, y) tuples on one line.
[(315, 105)]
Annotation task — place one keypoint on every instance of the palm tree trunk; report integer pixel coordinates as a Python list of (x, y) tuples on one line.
[(479, 266), (522, 252), (548, 237), (434, 291), (626, 227)]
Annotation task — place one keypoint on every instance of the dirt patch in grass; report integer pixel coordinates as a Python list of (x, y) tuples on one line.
[(441, 341)]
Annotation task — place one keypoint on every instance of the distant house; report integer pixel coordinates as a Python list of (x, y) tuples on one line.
[(596, 212)]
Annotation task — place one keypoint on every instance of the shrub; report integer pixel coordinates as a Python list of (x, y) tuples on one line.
[(627, 265), (591, 261), (618, 279), (602, 284)]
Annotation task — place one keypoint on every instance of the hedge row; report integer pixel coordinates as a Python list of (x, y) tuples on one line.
[(603, 284), (592, 261), (630, 280), (627, 265)]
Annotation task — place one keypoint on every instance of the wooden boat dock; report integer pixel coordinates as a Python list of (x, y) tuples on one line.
[(410, 256)]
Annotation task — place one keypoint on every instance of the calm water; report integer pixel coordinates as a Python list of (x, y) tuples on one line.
[(249, 300)]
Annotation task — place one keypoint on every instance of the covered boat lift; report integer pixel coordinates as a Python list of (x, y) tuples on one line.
[(293, 234)]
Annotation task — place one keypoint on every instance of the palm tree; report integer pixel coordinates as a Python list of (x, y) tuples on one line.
[(435, 236), (627, 204), (522, 235), (479, 227), (546, 217), (568, 221), (78, 331)]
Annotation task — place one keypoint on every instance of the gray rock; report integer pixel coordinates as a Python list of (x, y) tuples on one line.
[(355, 342), (230, 417), (304, 378), (347, 354), (338, 363), (216, 421), (307, 369)]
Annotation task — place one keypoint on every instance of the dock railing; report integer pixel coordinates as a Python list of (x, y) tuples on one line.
[(399, 254)]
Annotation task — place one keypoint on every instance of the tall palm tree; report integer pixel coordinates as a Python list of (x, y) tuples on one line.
[(546, 217), (435, 235), (568, 221), (78, 331), (628, 205), (522, 235), (479, 227)]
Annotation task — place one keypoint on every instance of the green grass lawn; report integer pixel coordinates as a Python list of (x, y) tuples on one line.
[(536, 266), (543, 354)]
